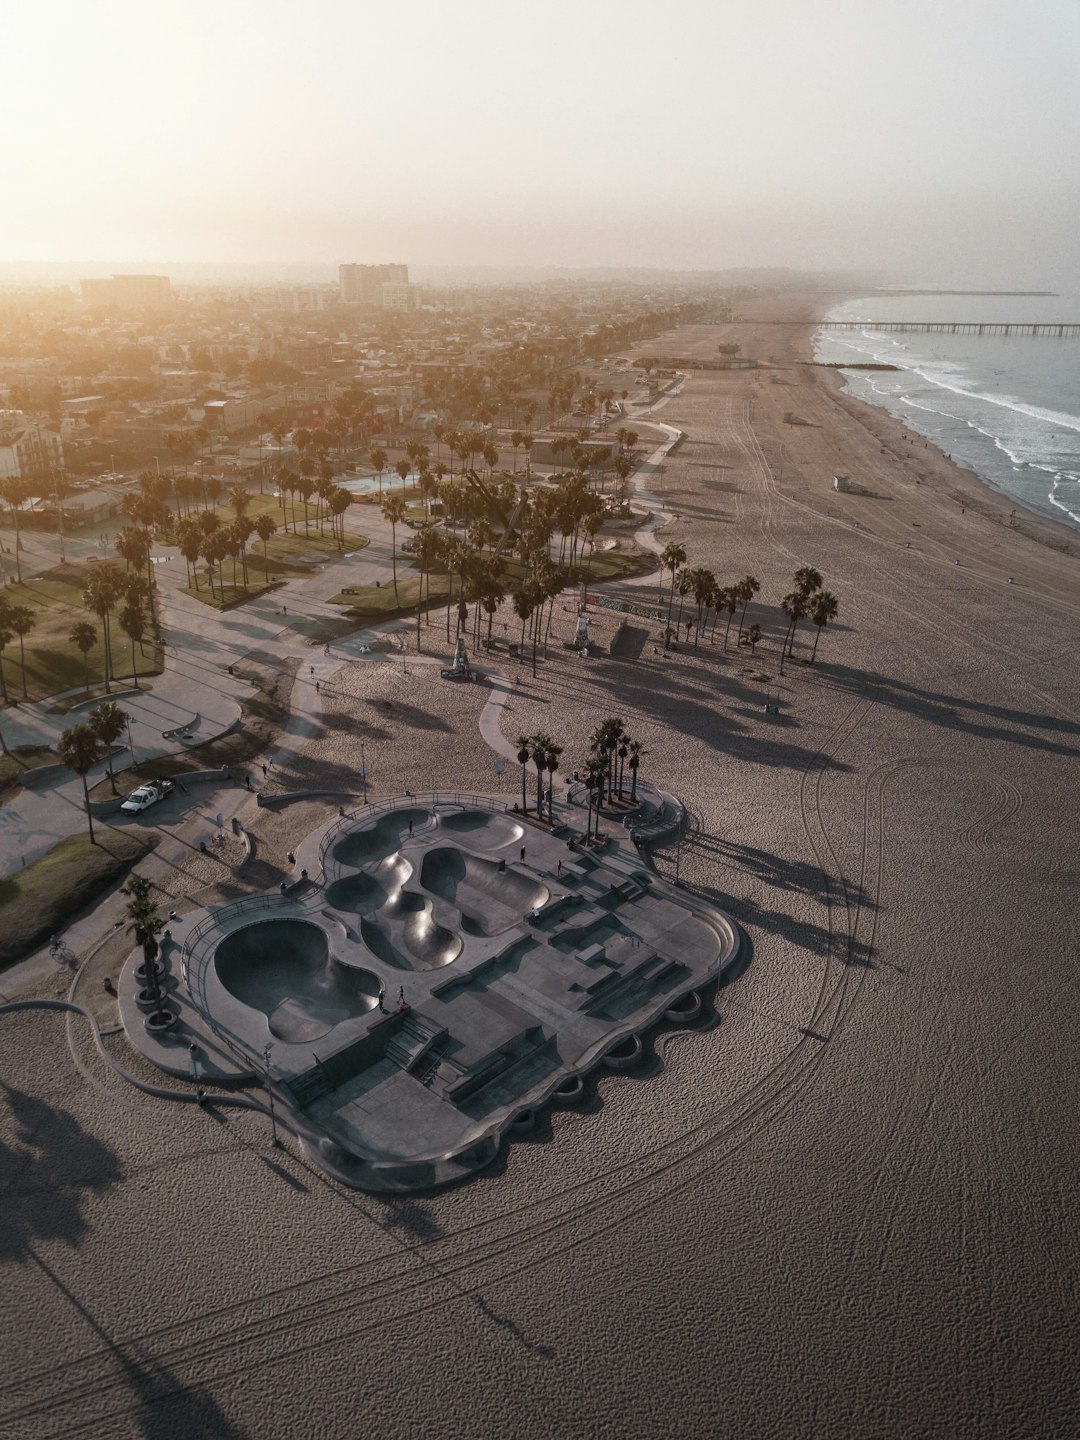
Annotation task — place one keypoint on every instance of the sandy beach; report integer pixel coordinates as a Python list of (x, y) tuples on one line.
[(843, 1209)]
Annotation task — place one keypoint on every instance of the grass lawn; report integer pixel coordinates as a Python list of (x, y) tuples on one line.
[(52, 662), (20, 758), (370, 605), (286, 554), (35, 902)]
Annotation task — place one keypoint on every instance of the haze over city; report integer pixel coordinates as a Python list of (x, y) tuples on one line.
[(931, 141)]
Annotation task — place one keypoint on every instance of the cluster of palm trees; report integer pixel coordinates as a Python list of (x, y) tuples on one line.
[(331, 501), (611, 753), (541, 750), (15, 621), (807, 599), (83, 745), (710, 598), (110, 588)]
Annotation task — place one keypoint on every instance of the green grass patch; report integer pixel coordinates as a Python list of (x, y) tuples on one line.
[(37, 901), (20, 759), (52, 662)]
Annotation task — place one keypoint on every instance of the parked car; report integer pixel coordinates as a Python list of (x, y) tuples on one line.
[(145, 796)]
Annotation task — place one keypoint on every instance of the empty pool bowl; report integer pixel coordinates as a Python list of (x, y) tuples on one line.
[(284, 968)]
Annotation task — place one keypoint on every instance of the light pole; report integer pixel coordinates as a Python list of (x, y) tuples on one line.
[(131, 747), (363, 769), (270, 1097)]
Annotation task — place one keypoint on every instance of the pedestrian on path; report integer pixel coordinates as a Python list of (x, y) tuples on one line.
[(264, 770), (523, 854)]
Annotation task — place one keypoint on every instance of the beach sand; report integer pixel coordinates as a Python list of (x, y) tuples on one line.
[(844, 1209)]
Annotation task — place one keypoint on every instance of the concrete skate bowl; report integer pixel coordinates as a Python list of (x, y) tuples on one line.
[(408, 936), (284, 968), (375, 842), (490, 900), (364, 892), (482, 828)]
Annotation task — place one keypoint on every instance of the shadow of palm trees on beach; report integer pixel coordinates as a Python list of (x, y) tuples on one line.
[(49, 1172)]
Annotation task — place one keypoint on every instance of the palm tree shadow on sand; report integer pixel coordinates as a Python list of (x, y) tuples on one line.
[(49, 1172)]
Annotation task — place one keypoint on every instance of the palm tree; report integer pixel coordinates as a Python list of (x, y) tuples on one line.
[(379, 458), (747, 589), (672, 557), (403, 469), (825, 607), (539, 745), (394, 511), (103, 590), (146, 925), (265, 526), (79, 750), (551, 764), (426, 548), (7, 634), (754, 635), (794, 606), (524, 744), (807, 579), (13, 492), (132, 623), (107, 722), (637, 750), (22, 620), (84, 637)]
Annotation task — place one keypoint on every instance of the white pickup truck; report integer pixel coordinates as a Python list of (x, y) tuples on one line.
[(146, 795)]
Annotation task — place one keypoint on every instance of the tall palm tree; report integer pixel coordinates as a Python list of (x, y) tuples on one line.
[(84, 637), (80, 750), (672, 557), (824, 607), (107, 722), (7, 634), (637, 750), (794, 606), (13, 492), (404, 469), (747, 589), (104, 588), (133, 624), (22, 621), (379, 458), (426, 548), (539, 745), (524, 752), (394, 511), (265, 526), (146, 925), (551, 764)]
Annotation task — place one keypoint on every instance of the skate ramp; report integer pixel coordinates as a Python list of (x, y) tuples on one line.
[(482, 828), (361, 847), (284, 968), (490, 900)]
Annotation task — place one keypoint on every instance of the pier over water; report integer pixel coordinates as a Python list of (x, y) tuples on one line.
[(1044, 329)]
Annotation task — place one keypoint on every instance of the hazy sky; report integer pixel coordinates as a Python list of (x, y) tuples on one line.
[(936, 138)]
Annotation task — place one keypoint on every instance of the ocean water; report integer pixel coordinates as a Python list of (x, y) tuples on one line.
[(1007, 408)]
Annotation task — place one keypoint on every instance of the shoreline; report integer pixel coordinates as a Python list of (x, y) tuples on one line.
[(979, 494)]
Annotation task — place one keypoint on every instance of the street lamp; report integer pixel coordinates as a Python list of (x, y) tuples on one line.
[(363, 769), (131, 747)]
